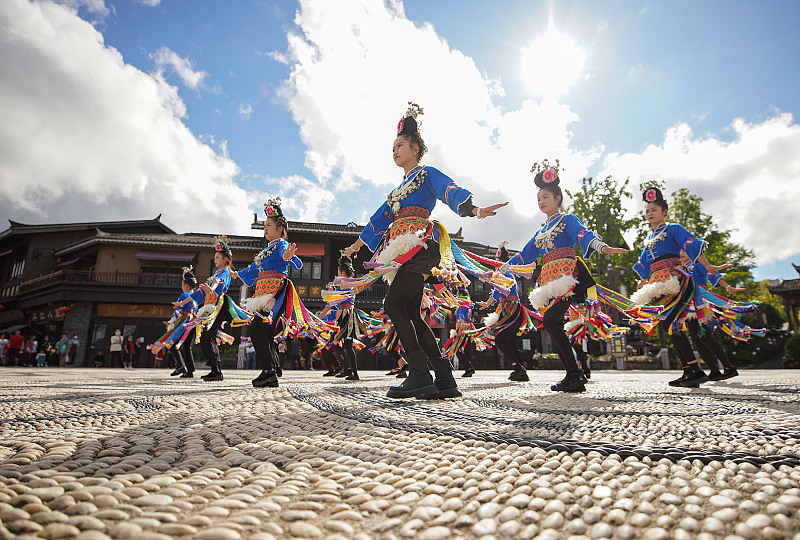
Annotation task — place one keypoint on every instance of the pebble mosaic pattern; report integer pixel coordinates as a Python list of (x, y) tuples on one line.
[(134, 454)]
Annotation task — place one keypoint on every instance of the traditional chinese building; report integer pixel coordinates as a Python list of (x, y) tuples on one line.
[(789, 291)]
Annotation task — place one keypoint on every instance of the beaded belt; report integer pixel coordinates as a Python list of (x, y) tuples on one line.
[(268, 282), (661, 270), (558, 262), (211, 299), (409, 220)]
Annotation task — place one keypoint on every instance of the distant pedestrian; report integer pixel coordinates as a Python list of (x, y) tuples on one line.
[(129, 349), (3, 349), (62, 349), (99, 359), (116, 349), (74, 343)]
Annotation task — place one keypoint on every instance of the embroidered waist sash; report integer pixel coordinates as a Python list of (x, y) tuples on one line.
[(268, 282), (409, 220), (211, 299), (661, 270), (558, 262)]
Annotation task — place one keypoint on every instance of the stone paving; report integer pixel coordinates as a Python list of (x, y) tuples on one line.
[(136, 454)]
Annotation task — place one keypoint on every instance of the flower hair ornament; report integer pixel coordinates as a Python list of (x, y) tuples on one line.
[(409, 125), (272, 208), (651, 191), (546, 174), (221, 245), (502, 252), (187, 270)]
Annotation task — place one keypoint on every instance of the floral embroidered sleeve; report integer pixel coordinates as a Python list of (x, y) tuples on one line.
[(377, 226), (443, 188), (692, 245), (528, 254)]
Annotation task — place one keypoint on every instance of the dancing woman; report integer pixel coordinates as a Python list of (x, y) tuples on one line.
[(401, 231), (218, 308), (268, 273), (347, 322), (663, 280), (564, 278)]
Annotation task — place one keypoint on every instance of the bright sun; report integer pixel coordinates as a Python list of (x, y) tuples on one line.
[(552, 63)]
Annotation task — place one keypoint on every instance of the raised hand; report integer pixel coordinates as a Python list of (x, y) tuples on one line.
[(608, 250), (487, 211)]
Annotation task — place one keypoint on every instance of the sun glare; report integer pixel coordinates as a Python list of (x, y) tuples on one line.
[(552, 63)]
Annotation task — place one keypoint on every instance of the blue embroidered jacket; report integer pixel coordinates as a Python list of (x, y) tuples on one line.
[(188, 307), (437, 185), (668, 239), (567, 231), (272, 259), (219, 284)]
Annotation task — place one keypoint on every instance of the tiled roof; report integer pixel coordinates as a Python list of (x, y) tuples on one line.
[(188, 240), (22, 228)]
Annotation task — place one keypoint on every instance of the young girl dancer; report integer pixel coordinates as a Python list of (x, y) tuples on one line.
[(664, 281), (564, 278), (268, 273), (173, 339), (347, 322), (401, 232)]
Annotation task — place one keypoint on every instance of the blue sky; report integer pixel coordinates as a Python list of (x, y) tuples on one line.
[(214, 105)]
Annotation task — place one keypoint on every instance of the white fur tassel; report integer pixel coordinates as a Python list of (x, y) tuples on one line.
[(655, 290), (562, 286), (572, 324), (206, 310), (452, 333), (491, 319), (396, 247), (259, 303)]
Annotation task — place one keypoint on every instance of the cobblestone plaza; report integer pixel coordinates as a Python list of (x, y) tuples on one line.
[(134, 454)]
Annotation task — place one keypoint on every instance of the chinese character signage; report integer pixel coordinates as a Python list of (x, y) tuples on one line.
[(142, 311)]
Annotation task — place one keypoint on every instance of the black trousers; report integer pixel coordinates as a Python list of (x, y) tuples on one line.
[(709, 348), (506, 340), (402, 305), (553, 322), (262, 335), (183, 357), (683, 349), (208, 339)]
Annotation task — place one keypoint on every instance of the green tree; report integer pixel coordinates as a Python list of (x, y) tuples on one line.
[(600, 205)]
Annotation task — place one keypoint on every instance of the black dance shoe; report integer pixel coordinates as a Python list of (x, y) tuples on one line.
[(694, 378), (279, 372), (419, 381), (587, 373), (715, 375), (187, 376), (519, 375), (178, 371), (213, 376), (266, 378), (445, 383), (330, 373), (468, 373), (729, 373), (352, 377), (344, 373), (677, 382), (573, 382), (402, 374)]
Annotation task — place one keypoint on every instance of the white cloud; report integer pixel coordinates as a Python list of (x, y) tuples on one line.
[(165, 57), (750, 183), (151, 3), (354, 67), (96, 7), (301, 199), (245, 111), (86, 137)]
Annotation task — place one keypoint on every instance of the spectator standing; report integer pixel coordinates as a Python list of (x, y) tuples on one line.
[(3, 349), (62, 349), (129, 350), (30, 351), (74, 343), (15, 346), (535, 359), (250, 356), (116, 349), (281, 353), (137, 351), (41, 358)]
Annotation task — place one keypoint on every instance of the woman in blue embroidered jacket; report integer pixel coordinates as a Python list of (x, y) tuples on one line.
[(663, 281), (209, 295), (564, 278), (268, 273), (401, 231)]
